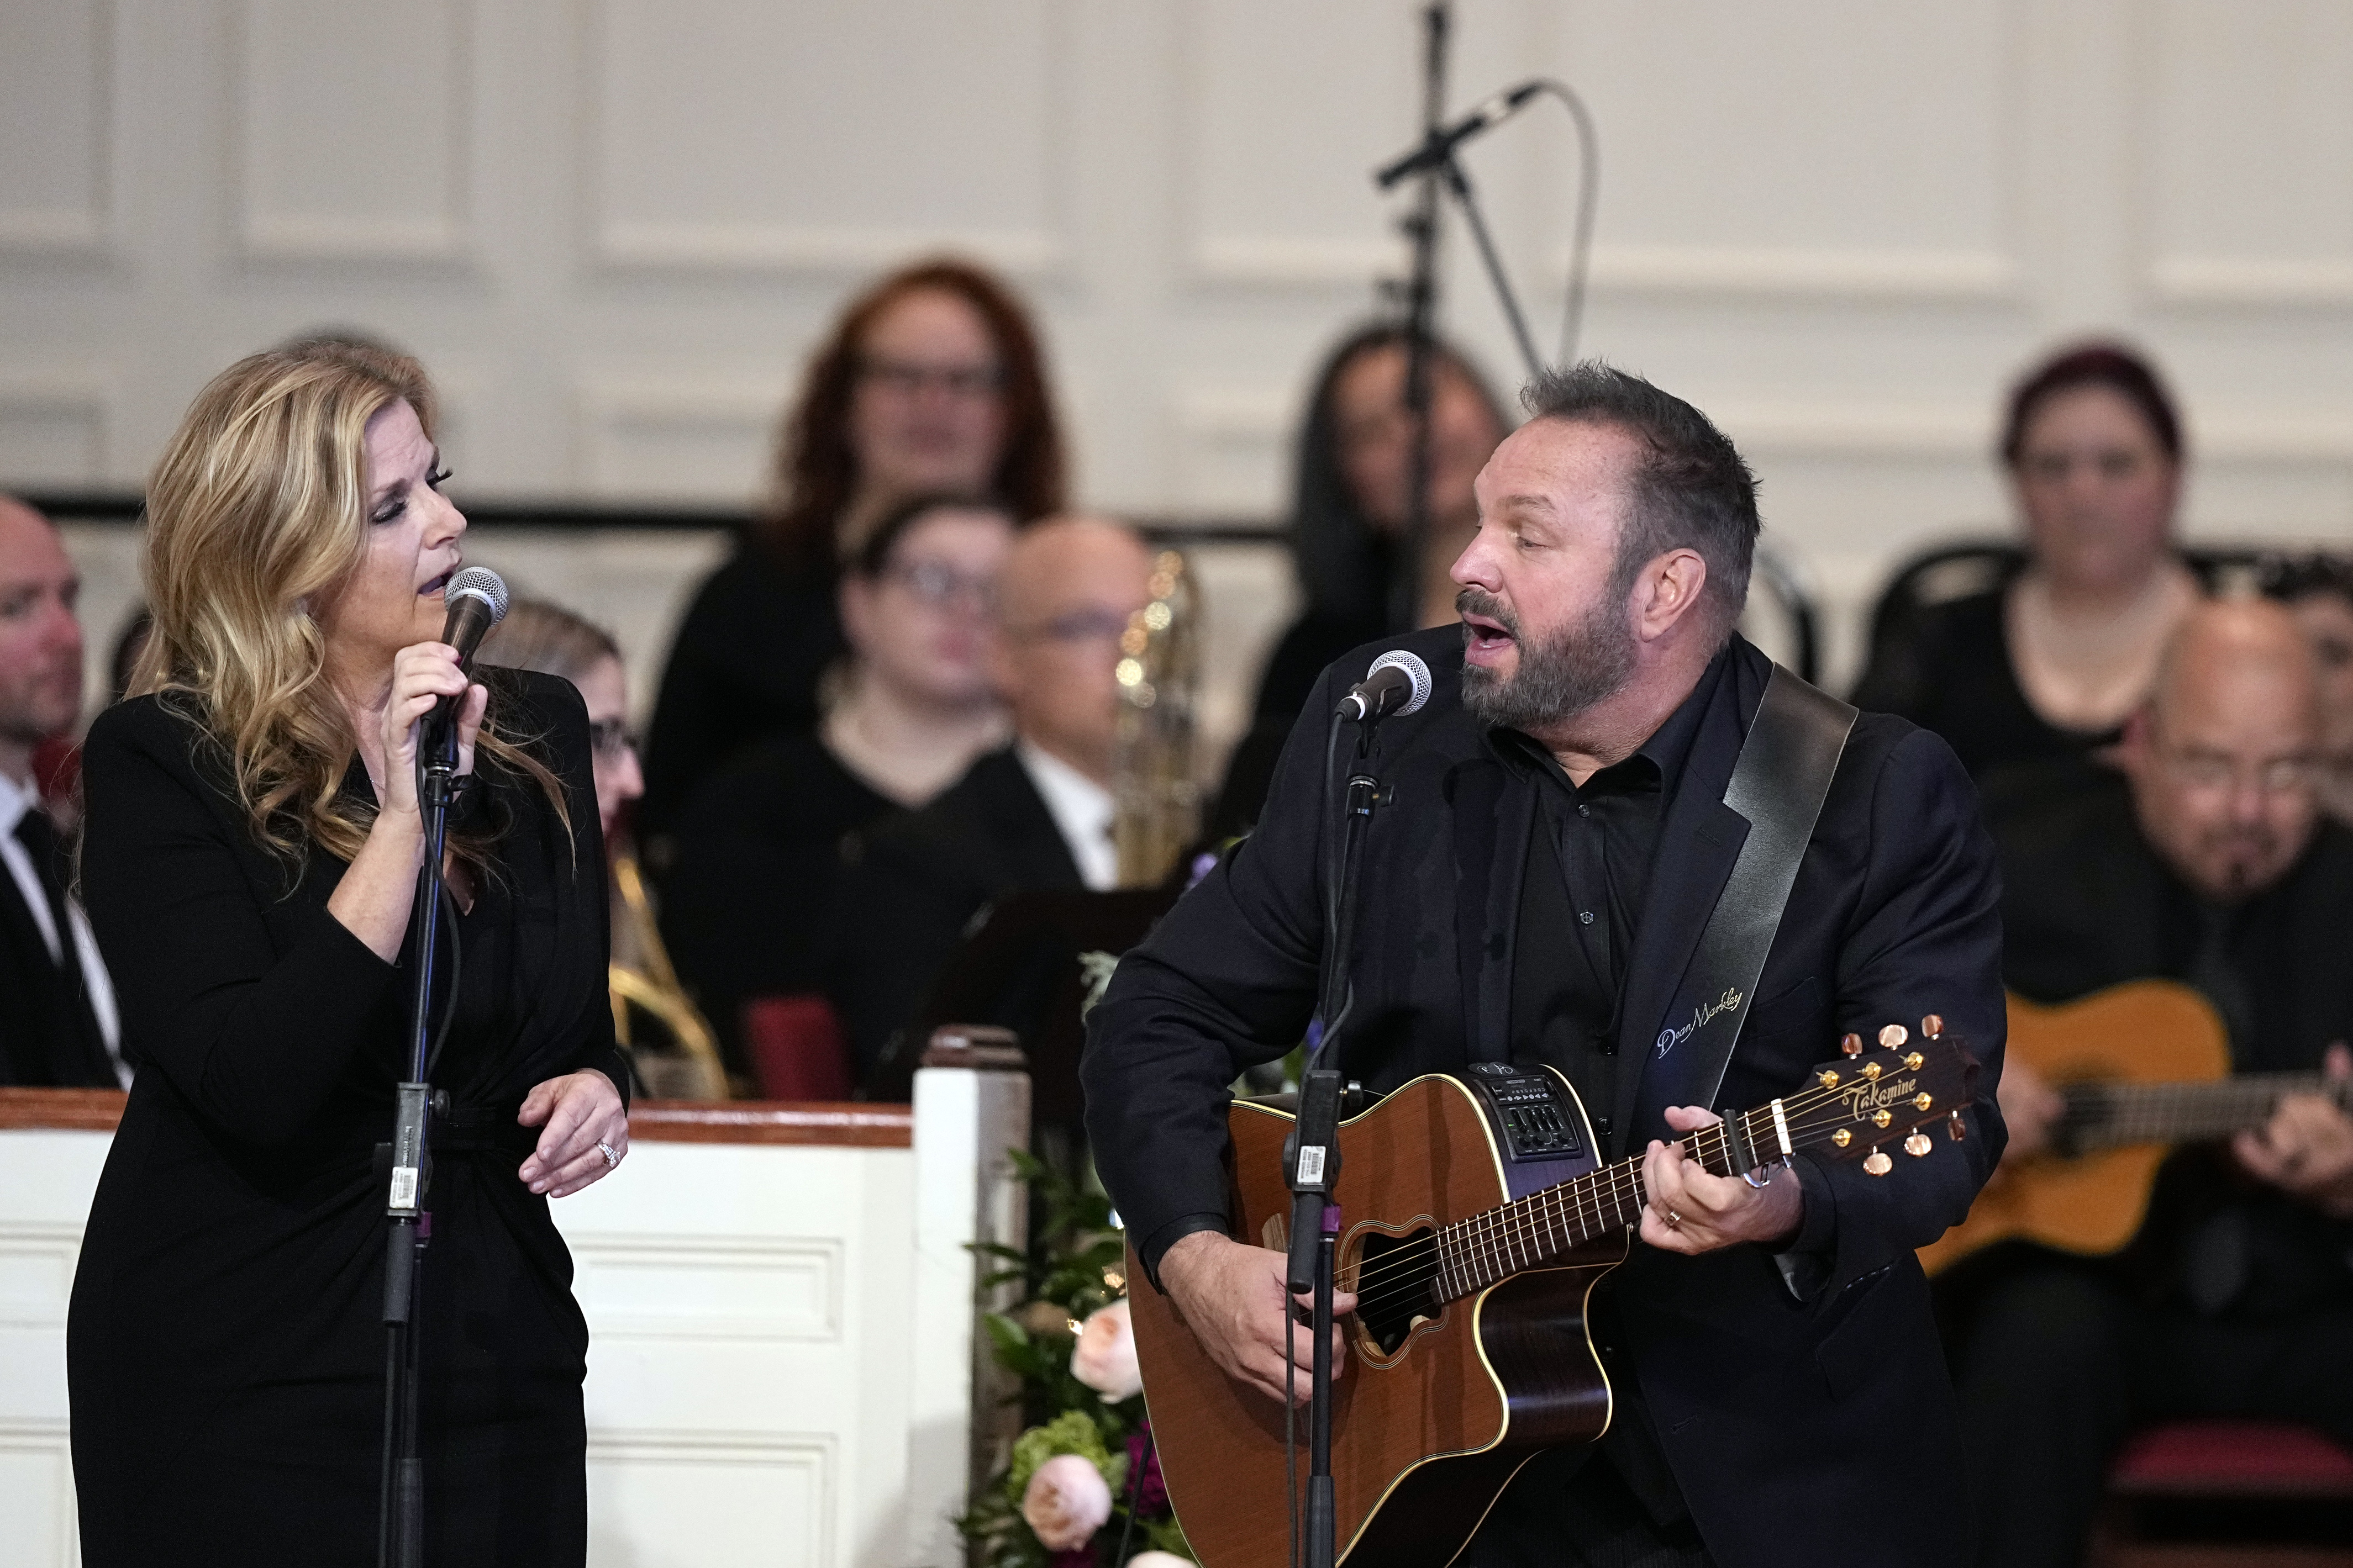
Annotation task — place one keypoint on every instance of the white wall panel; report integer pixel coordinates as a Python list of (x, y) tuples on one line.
[(615, 228), (57, 90), (352, 131), (817, 138), (2249, 148)]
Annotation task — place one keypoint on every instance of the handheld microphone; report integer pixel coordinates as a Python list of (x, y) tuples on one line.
[(1440, 146), (477, 601), (1398, 682)]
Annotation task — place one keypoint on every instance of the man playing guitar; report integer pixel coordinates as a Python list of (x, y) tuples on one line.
[(2203, 859), (1534, 889)]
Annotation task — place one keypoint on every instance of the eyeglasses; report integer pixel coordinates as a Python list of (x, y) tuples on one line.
[(2209, 771), (608, 737), (905, 378), (1078, 626), (935, 587)]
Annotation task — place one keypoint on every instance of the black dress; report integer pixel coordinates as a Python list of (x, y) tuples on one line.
[(225, 1347), (1953, 675), (744, 668), (750, 907)]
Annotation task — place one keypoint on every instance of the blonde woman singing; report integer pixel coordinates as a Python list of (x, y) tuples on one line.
[(251, 855)]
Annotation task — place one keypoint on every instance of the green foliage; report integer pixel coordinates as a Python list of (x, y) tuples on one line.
[(1070, 1433), (1075, 1268)]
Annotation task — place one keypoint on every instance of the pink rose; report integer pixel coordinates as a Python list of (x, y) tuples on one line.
[(1157, 1559), (1066, 1502), (1105, 1356)]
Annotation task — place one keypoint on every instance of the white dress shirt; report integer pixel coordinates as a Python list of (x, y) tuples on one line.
[(1081, 808), (15, 800)]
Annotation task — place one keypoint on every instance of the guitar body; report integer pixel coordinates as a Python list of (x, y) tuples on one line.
[(1428, 1426), (2145, 1031)]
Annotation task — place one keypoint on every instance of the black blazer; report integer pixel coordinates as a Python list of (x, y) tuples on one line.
[(1780, 1418), (915, 882), (744, 668), (225, 1330), (49, 1036)]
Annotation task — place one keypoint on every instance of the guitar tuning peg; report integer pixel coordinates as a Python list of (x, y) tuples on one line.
[(1956, 1126), (1932, 1026), (1917, 1145), (1893, 1036), (1877, 1164), (1851, 1045)]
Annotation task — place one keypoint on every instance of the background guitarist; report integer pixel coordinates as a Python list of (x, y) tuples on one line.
[(1534, 890), (2204, 860)]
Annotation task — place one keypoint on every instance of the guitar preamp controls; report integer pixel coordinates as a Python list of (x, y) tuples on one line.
[(1529, 1112)]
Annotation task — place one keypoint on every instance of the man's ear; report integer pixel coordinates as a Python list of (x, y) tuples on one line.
[(1669, 589)]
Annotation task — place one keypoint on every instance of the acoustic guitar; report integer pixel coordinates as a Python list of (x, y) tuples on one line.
[(2141, 1066), (1476, 1219)]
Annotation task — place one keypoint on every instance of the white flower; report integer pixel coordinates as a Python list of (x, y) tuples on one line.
[(1105, 1356), (1066, 1502), (1157, 1559)]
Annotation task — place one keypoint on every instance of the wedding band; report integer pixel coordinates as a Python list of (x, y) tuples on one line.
[(1674, 1220), (611, 1158)]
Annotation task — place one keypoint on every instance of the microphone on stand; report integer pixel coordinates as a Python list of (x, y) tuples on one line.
[(1440, 145), (1397, 683), (477, 601)]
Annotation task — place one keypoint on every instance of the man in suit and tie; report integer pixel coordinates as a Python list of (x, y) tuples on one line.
[(58, 1026), (1036, 814), (1535, 890)]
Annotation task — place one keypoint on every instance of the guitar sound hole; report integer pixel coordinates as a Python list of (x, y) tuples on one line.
[(1393, 1286)]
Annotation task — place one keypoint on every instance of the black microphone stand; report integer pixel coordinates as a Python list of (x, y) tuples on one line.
[(1420, 304), (1312, 1158), (400, 1534)]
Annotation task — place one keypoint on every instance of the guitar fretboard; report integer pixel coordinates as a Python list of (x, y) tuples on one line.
[(1525, 1232), (2111, 1115)]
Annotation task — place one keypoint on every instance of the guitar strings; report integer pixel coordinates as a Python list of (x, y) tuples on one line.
[(1496, 1234), (1502, 1231), (1488, 1241)]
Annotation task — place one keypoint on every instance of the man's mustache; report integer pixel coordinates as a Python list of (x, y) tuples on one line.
[(1479, 602)]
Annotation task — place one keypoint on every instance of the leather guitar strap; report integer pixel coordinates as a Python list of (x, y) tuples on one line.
[(1778, 784)]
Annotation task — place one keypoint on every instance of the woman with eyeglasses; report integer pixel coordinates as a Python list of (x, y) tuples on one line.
[(748, 907), (669, 1046), (930, 383), (2045, 665)]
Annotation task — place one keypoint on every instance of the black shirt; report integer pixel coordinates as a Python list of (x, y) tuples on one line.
[(1955, 675), (1582, 899), (1581, 902)]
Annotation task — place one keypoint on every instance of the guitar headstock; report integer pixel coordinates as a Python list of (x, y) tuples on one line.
[(1887, 1092)]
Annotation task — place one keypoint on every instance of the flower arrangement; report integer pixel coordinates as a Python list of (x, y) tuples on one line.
[(1080, 1487)]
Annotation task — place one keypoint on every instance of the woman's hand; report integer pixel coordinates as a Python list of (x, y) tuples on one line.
[(584, 1119), (422, 675)]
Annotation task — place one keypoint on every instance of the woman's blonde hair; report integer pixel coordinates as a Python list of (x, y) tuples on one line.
[(256, 509)]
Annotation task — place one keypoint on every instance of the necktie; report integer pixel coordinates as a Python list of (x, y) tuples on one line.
[(83, 1058)]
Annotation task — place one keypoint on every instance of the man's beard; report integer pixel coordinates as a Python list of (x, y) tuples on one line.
[(1586, 662)]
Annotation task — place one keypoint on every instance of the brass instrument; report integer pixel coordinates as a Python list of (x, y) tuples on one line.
[(676, 1055), (1156, 799)]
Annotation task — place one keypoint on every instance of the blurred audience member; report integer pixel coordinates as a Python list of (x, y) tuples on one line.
[(668, 1044), (1351, 485), (2047, 664), (2318, 590), (57, 1022), (1036, 814), (2205, 862), (931, 382), (751, 904)]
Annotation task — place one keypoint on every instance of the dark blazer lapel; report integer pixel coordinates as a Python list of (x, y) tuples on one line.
[(40, 1029), (1492, 809), (1030, 838), (1699, 841)]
